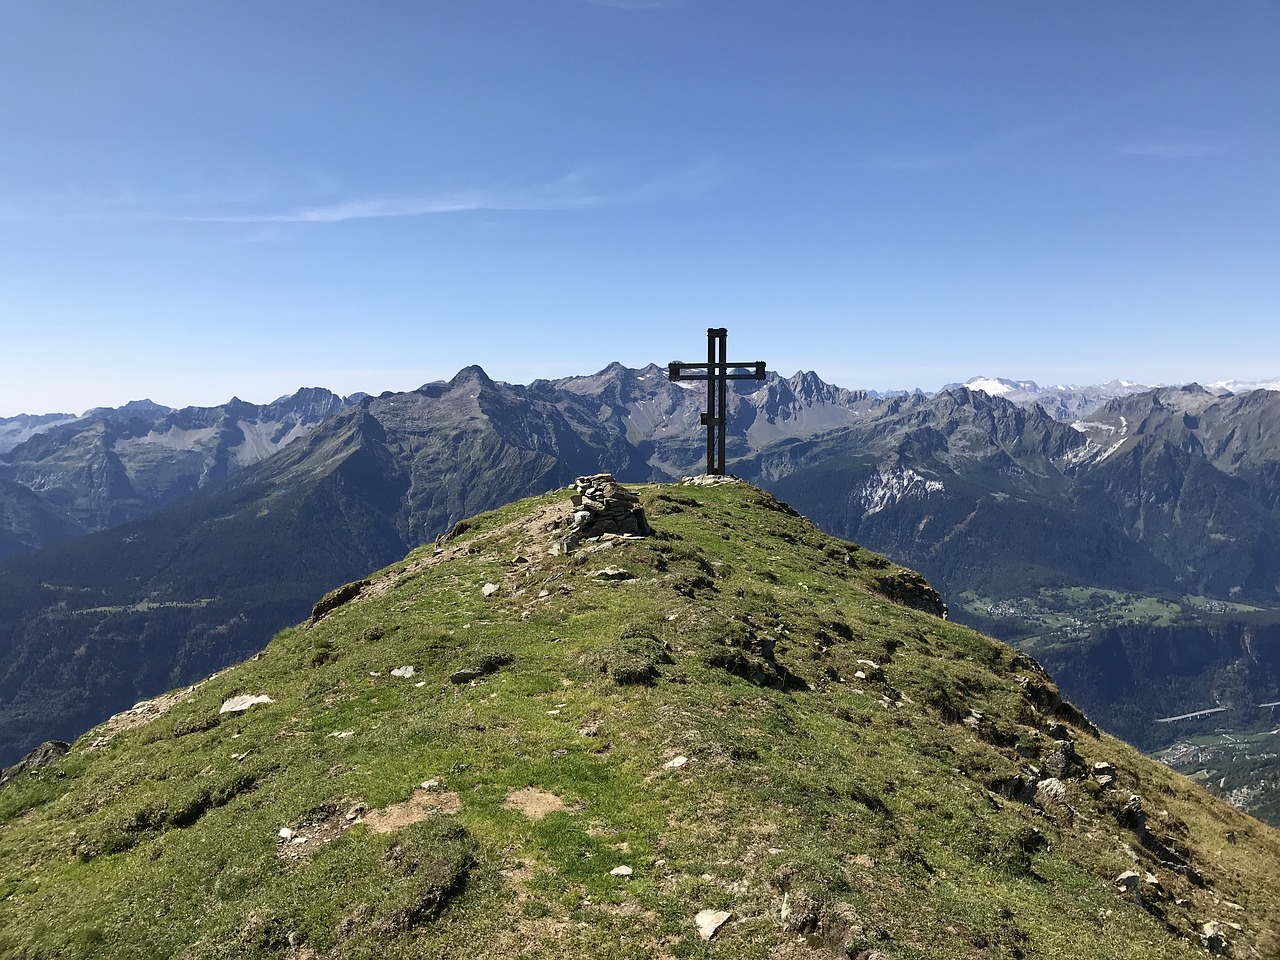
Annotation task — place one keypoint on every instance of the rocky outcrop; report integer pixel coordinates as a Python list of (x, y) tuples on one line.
[(912, 590), (43, 755)]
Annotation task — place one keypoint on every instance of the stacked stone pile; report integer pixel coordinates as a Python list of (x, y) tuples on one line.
[(601, 507)]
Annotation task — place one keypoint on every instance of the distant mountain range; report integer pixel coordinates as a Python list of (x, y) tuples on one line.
[(62, 475), (1159, 508), (1060, 402), (65, 476)]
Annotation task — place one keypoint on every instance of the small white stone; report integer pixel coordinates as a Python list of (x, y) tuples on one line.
[(243, 702), (285, 833), (489, 589), (406, 671), (710, 921), (676, 762), (343, 734), (420, 684), (622, 871)]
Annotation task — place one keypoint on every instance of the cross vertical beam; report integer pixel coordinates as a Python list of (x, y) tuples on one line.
[(717, 371)]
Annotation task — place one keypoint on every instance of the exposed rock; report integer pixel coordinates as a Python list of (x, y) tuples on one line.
[(489, 589), (1213, 938), (710, 480), (602, 506), (1154, 885), (1051, 797), (622, 871), (43, 755), (490, 663), (1042, 696), (1061, 760), (405, 671), (613, 573), (336, 598), (869, 670), (710, 921), (243, 702), (1128, 881), (912, 590), (457, 530), (675, 763), (1051, 790)]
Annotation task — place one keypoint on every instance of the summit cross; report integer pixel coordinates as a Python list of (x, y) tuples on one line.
[(716, 371)]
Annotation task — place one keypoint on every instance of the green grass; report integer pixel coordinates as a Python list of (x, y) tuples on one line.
[(867, 803)]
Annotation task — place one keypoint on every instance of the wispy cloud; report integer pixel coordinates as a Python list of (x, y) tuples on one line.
[(969, 153), (586, 187), (993, 145), (1172, 150), (578, 190)]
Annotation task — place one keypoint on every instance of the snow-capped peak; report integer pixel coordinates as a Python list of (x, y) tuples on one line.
[(1243, 386)]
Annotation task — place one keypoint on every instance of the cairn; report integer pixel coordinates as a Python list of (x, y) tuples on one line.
[(603, 507)]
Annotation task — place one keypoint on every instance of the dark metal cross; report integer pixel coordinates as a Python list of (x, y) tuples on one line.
[(716, 372)]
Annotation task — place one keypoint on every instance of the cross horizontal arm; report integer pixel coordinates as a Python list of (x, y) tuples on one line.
[(679, 370)]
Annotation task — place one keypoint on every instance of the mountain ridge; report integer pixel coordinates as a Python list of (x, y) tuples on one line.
[(731, 737)]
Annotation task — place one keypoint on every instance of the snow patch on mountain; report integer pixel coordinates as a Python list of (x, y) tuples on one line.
[(1064, 402), (998, 387), (892, 485)]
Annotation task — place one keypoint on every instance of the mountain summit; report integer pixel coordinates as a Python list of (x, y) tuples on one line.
[(737, 735)]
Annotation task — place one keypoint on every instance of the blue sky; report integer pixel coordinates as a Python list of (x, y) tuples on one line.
[(200, 200)]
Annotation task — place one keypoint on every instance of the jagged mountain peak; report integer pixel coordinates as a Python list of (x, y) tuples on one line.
[(134, 408), (473, 374)]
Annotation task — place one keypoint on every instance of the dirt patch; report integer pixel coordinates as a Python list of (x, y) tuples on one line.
[(420, 806), (533, 802)]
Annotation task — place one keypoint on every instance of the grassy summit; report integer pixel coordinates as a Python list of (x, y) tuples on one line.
[(736, 710)]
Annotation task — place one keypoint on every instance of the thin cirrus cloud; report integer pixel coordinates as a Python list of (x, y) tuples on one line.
[(1167, 150), (587, 187), (972, 152), (996, 145), (575, 191)]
